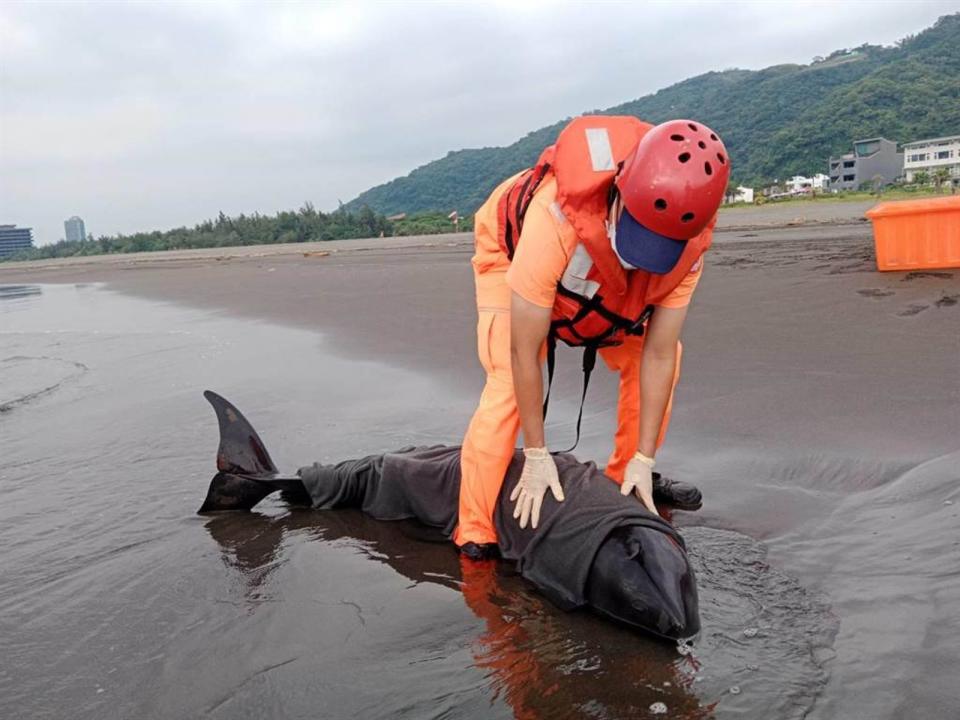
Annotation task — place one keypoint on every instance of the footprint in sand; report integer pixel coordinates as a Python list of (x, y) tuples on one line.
[(734, 261), (854, 267), (913, 309), (948, 300), (875, 292), (926, 274)]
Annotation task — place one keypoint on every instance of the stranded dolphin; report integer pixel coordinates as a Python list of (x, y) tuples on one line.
[(597, 549)]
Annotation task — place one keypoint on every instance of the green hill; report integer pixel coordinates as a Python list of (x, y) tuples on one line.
[(776, 122)]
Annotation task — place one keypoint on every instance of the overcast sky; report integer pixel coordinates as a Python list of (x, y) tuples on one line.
[(150, 115)]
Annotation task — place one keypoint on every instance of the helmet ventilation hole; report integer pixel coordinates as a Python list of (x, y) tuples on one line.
[(713, 137), (686, 217), (677, 138), (660, 204), (720, 158), (707, 168), (683, 157), (692, 127), (702, 145)]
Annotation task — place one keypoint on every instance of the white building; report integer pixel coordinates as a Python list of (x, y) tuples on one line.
[(930, 155), (799, 184), (743, 194)]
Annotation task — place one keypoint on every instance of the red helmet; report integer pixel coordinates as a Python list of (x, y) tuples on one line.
[(675, 180)]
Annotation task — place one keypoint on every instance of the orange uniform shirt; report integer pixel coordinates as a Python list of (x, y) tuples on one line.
[(544, 250)]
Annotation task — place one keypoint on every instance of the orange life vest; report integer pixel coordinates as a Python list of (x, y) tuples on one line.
[(598, 301)]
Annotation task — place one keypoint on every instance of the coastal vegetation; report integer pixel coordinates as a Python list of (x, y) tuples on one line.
[(304, 225)]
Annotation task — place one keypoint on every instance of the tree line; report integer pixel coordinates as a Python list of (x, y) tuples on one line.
[(304, 225)]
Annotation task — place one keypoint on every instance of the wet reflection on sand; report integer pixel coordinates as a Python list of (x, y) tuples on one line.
[(541, 662)]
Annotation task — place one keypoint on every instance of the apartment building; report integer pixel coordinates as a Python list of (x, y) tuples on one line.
[(872, 160), (930, 155), (14, 239)]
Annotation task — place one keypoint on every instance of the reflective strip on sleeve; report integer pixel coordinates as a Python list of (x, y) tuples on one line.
[(601, 154), (557, 213), (575, 276)]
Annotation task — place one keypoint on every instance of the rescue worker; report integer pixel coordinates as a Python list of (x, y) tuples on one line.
[(599, 245)]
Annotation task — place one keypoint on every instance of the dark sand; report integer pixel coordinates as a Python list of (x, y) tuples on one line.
[(819, 410)]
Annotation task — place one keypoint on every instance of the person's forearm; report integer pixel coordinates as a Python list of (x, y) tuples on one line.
[(528, 389), (656, 384)]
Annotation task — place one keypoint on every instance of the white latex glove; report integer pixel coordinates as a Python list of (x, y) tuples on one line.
[(539, 473), (638, 479)]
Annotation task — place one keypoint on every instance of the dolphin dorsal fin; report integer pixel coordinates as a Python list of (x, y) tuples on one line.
[(241, 450)]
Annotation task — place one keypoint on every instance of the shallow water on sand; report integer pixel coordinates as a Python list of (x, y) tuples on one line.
[(118, 601)]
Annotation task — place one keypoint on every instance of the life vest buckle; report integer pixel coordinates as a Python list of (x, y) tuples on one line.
[(638, 327)]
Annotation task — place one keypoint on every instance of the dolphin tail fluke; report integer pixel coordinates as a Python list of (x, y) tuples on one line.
[(246, 473), (234, 492)]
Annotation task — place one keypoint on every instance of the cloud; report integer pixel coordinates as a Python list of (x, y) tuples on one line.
[(151, 115)]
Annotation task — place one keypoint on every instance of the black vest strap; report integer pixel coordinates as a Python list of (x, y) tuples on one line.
[(551, 366), (589, 363), (512, 214)]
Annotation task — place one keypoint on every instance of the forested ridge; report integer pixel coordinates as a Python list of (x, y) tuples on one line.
[(776, 122)]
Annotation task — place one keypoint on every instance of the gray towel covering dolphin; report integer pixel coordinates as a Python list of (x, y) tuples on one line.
[(596, 550)]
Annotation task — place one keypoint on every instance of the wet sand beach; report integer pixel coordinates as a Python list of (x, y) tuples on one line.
[(818, 410)]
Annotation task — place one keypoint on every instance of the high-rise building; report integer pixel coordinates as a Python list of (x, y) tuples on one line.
[(74, 229), (14, 240)]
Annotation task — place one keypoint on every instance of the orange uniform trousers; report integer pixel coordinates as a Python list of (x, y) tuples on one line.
[(491, 437)]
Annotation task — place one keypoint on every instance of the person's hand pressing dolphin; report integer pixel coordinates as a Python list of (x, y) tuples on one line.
[(638, 479), (539, 473)]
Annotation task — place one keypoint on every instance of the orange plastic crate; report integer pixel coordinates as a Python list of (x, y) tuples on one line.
[(917, 234)]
